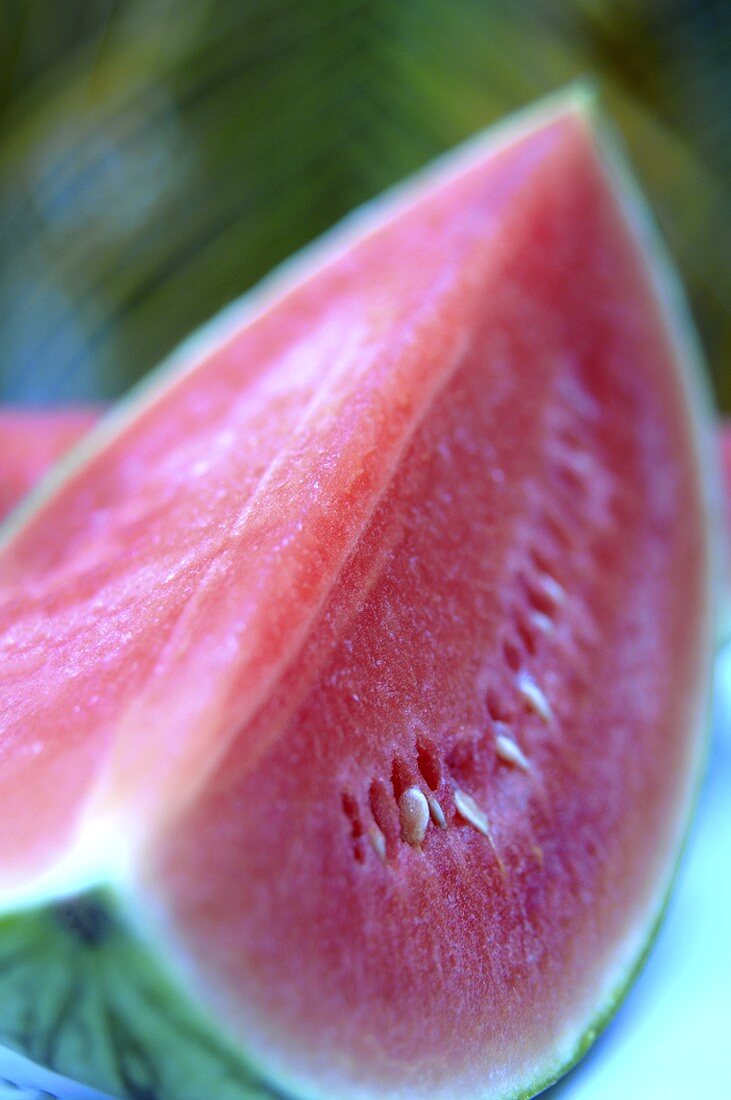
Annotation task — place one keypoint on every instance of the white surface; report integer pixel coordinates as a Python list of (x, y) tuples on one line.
[(672, 1037)]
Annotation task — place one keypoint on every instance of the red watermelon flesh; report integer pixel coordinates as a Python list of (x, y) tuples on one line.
[(367, 655), (30, 442)]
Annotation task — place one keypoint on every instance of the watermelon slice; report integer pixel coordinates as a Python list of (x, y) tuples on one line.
[(355, 670)]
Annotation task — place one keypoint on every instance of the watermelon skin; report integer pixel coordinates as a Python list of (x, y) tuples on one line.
[(31, 442), (481, 961)]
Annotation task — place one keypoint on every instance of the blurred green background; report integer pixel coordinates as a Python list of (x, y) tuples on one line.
[(157, 157)]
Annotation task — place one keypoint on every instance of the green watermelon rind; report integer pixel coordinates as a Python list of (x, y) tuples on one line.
[(85, 996), (152, 955)]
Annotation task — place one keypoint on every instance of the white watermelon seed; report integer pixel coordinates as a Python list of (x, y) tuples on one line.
[(534, 697), (552, 589), (414, 816), (436, 811), (468, 809), (378, 842), (541, 622), (511, 753)]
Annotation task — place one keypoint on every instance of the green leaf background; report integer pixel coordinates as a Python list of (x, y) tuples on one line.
[(157, 157)]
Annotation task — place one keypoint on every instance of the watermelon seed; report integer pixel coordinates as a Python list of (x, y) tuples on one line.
[(378, 842), (510, 753), (534, 697), (545, 594), (468, 809), (414, 815), (470, 812), (542, 622), (555, 592), (436, 811)]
